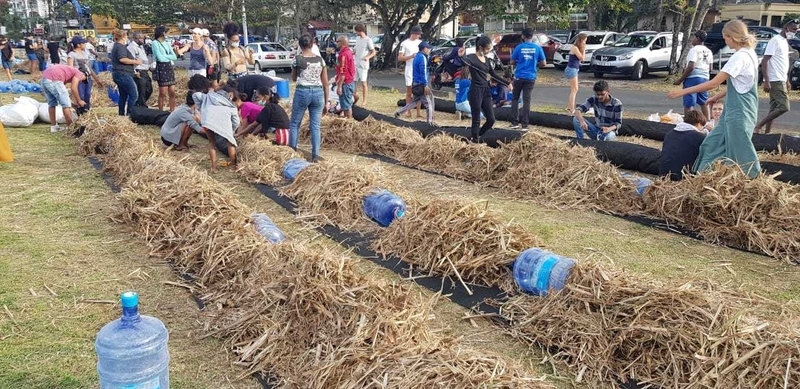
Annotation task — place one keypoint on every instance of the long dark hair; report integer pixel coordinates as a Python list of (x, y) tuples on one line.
[(305, 42), (483, 42), (265, 91), (161, 32)]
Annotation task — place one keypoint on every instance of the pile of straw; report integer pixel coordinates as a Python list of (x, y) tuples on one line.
[(454, 157), (450, 238), (724, 206), (100, 131), (789, 158), (302, 314), (331, 194), (368, 136), (261, 161), (603, 326), (561, 175)]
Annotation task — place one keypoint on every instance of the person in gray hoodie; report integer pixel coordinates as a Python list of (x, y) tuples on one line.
[(219, 116), (682, 145)]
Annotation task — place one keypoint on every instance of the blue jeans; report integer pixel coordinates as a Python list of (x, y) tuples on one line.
[(346, 99), (127, 90), (56, 93), (595, 132), (85, 92), (312, 99)]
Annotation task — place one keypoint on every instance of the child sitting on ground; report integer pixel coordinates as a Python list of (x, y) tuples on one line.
[(716, 113), (219, 116), (180, 124), (271, 118), (681, 146)]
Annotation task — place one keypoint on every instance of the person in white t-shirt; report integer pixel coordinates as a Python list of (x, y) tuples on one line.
[(731, 138), (775, 68), (408, 50), (364, 51), (696, 72)]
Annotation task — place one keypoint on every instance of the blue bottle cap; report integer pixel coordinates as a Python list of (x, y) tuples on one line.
[(129, 299)]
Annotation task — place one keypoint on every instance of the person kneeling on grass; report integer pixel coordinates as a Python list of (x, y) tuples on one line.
[(607, 115), (220, 117), (419, 86), (180, 124), (272, 117), (682, 145), (53, 83)]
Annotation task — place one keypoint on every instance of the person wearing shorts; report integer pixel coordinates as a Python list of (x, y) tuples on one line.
[(364, 52), (8, 56), (345, 77), (775, 67), (408, 51), (53, 83), (696, 72), (30, 53)]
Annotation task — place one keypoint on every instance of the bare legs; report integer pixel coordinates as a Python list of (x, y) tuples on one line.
[(165, 92), (573, 93)]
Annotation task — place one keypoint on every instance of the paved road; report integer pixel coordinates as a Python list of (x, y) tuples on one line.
[(642, 102)]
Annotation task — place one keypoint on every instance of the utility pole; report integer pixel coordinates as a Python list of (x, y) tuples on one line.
[(244, 24)]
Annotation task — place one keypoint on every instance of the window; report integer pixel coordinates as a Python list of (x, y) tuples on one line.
[(543, 39), (763, 20), (510, 39), (776, 21), (594, 39)]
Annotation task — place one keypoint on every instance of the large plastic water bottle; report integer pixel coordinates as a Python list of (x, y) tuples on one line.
[(537, 271), (132, 350), (641, 183), (384, 207), (267, 228), (293, 167)]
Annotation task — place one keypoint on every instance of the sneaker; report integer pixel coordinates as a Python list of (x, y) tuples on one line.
[(524, 129), (397, 115), (515, 127), (56, 128)]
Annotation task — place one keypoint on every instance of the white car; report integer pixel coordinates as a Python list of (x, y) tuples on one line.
[(270, 55), (635, 54), (594, 40)]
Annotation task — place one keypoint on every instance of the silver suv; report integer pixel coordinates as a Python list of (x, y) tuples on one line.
[(594, 40), (635, 54)]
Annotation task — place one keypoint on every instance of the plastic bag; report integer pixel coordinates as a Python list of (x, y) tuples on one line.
[(20, 114), (654, 118), (671, 117), (44, 114)]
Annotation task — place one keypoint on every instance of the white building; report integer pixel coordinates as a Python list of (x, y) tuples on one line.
[(29, 8)]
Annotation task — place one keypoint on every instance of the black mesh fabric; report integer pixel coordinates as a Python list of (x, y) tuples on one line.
[(143, 115)]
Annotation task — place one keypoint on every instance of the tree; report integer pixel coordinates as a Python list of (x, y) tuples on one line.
[(693, 18), (396, 16)]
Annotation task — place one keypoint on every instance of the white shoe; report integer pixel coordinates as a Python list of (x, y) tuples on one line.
[(515, 127), (56, 128)]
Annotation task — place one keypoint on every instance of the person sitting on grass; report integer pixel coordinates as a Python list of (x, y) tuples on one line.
[(53, 83), (607, 115), (272, 118), (220, 117), (499, 93), (180, 124), (462, 93), (682, 145)]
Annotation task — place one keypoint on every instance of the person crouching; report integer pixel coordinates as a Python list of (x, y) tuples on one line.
[(682, 145), (180, 124), (220, 117), (272, 117)]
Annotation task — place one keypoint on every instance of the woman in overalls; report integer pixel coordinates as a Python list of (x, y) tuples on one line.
[(731, 139)]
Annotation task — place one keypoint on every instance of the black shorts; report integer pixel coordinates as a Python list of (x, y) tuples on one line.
[(166, 142)]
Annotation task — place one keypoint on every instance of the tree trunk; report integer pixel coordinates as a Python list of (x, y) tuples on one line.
[(431, 27), (659, 18), (678, 20), (532, 12)]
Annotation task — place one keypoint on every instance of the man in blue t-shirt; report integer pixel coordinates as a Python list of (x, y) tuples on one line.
[(419, 84), (528, 57)]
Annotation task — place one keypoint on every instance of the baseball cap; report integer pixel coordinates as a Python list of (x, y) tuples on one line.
[(424, 45), (416, 30), (197, 31), (205, 32), (77, 40)]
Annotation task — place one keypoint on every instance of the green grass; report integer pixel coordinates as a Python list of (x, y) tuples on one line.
[(55, 233)]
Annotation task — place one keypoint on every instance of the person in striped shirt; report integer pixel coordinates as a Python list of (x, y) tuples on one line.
[(607, 115)]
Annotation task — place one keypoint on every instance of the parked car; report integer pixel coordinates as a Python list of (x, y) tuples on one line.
[(794, 75), (715, 41), (764, 32), (185, 39), (562, 36), (725, 53), (509, 41), (594, 40), (444, 47), (635, 54), (270, 55)]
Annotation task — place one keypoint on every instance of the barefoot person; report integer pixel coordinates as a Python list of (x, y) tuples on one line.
[(364, 52), (730, 140), (180, 124), (775, 68), (219, 116), (576, 55)]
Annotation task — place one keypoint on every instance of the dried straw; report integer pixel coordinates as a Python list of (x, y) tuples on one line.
[(304, 315), (603, 326), (789, 158), (450, 238), (261, 161), (100, 131), (724, 206), (454, 157)]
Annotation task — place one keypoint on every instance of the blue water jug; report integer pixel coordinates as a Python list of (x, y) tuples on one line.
[(282, 87), (384, 207), (537, 271), (132, 350), (33, 88), (641, 183), (5, 87), (293, 167), (267, 228), (19, 89), (113, 94)]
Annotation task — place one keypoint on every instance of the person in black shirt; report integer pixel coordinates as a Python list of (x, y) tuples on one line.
[(30, 52), (122, 63), (272, 116), (480, 92), (682, 145), (54, 46), (8, 55), (250, 83)]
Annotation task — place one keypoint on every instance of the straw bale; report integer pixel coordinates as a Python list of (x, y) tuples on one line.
[(454, 157), (100, 131), (725, 206), (604, 326), (332, 194), (456, 239), (100, 94), (789, 158), (561, 175), (260, 160), (368, 136)]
